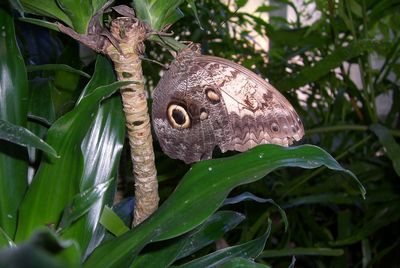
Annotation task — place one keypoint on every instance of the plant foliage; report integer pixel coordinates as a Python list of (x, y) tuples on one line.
[(62, 142)]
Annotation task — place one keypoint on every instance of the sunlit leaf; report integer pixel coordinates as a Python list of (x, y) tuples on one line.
[(62, 178), (110, 220), (13, 109)]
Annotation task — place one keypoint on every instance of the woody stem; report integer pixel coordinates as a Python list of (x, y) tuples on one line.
[(130, 34)]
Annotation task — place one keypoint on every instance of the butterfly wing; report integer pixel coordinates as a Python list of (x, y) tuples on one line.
[(258, 113)]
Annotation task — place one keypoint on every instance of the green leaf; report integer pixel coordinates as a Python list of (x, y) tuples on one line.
[(110, 220), (81, 204), (75, 13), (22, 136), (250, 250), (101, 149), (60, 180), (355, 8), (216, 178), (330, 62), (241, 3), (79, 12), (212, 229), (56, 67), (47, 8), (392, 148), (13, 109), (212, 181), (158, 13)]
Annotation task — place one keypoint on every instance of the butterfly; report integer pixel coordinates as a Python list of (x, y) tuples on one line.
[(204, 101)]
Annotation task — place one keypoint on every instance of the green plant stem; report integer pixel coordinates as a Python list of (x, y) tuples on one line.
[(321, 169), (395, 133)]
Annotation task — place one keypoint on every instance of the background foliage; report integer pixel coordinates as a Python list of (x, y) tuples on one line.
[(315, 65)]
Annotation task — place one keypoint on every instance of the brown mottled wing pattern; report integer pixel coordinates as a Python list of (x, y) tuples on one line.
[(258, 113), (204, 101), (183, 83)]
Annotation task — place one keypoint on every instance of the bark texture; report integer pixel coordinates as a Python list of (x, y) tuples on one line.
[(130, 34)]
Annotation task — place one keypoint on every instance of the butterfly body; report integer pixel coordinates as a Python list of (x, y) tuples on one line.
[(205, 101)]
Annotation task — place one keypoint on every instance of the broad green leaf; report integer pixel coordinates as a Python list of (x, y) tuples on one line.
[(81, 203), (222, 175), (56, 182), (13, 109), (212, 181), (101, 149), (56, 67), (79, 12), (22, 136), (250, 250), (212, 229), (158, 13), (47, 8), (330, 62), (75, 13), (392, 148), (41, 112), (298, 251), (110, 220)]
